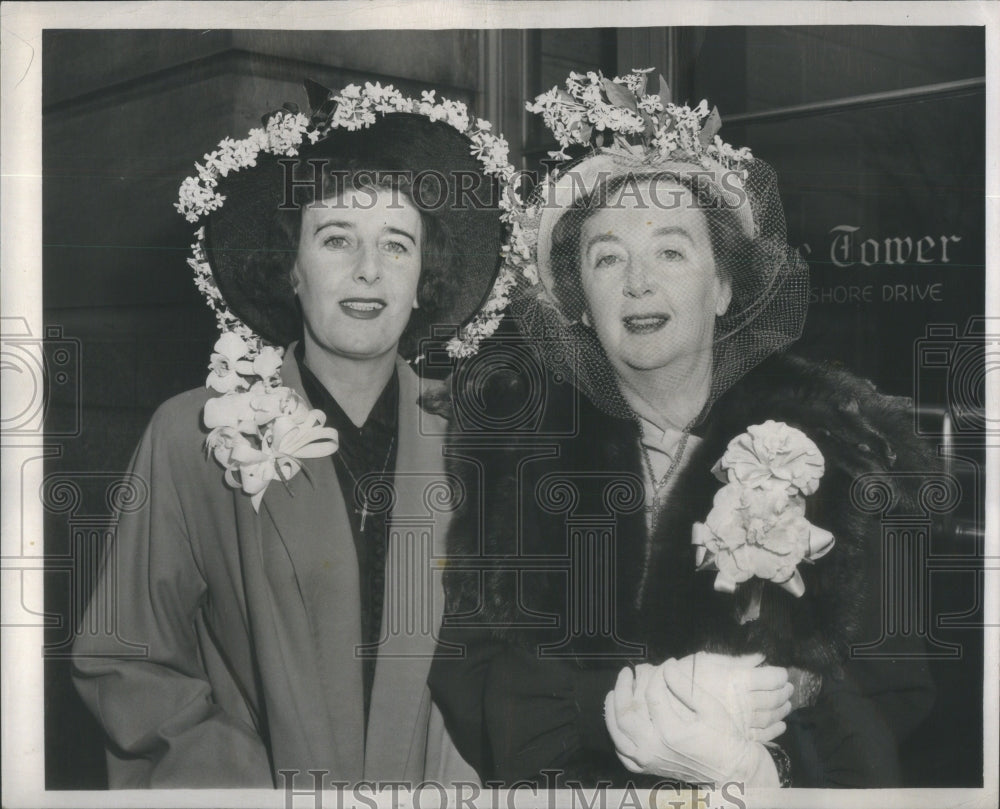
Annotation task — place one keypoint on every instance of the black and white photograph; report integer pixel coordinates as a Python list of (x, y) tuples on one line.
[(585, 404)]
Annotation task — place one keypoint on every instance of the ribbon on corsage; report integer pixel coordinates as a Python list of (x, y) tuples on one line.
[(757, 526), (260, 429)]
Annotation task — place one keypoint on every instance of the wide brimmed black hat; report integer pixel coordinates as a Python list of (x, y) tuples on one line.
[(447, 180)]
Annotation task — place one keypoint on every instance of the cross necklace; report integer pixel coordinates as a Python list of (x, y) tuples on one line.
[(357, 485)]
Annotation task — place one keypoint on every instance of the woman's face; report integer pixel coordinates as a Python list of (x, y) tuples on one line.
[(357, 270), (649, 277)]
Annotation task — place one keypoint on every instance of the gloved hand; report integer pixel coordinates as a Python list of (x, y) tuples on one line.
[(758, 697), (664, 721)]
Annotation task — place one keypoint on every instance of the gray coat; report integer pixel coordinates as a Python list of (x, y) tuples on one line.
[(234, 651)]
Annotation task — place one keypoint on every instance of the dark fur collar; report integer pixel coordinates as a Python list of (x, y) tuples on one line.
[(857, 429)]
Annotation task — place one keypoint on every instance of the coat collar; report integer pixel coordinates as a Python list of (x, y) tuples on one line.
[(414, 596), (313, 615)]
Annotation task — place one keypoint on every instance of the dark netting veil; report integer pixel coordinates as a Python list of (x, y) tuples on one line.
[(662, 257)]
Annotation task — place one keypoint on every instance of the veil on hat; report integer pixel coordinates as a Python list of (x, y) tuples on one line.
[(641, 141)]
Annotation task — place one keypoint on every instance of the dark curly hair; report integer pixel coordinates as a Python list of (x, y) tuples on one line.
[(731, 247), (439, 280)]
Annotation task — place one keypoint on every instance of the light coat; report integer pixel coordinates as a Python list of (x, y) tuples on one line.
[(233, 655)]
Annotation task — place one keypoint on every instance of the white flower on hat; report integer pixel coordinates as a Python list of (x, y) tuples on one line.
[(356, 108), (260, 430)]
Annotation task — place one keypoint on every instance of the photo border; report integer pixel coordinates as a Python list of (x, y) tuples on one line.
[(21, 26)]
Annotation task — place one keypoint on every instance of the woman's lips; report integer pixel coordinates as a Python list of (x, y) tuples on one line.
[(362, 308), (645, 324)]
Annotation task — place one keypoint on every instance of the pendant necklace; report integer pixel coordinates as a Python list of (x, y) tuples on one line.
[(653, 508), (357, 485), (658, 485)]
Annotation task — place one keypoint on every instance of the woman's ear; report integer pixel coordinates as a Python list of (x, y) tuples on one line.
[(723, 296)]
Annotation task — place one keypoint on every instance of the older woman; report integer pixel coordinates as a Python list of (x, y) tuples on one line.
[(257, 590), (689, 516)]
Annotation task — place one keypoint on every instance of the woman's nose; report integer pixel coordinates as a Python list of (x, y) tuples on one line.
[(636, 282), (367, 268)]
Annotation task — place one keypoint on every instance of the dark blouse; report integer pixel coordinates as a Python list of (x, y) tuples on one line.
[(365, 451)]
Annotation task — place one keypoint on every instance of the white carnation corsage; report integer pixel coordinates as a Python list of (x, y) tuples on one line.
[(260, 430), (757, 526)]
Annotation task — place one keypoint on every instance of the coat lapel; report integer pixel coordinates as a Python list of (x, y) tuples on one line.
[(414, 596), (306, 616), (310, 572)]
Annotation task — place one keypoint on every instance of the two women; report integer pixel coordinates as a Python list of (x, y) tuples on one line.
[(677, 540), (259, 577)]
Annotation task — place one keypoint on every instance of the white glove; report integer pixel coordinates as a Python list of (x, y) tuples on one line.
[(665, 723), (757, 697)]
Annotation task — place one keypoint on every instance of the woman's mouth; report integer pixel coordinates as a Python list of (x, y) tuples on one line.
[(645, 324), (362, 308)]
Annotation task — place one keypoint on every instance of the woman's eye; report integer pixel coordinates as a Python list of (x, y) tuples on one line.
[(399, 248), (669, 254), (335, 242), (607, 260)]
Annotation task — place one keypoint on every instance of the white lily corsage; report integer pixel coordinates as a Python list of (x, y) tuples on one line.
[(261, 430), (757, 526)]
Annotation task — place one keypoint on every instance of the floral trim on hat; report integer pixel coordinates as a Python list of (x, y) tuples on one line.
[(615, 117), (354, 108), (639, 124), (260, 430)]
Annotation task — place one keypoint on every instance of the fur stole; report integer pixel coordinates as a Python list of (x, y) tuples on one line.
[(503, 521)]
